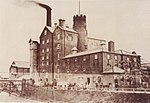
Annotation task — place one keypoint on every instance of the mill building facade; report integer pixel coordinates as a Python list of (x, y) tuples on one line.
[(69, 55)]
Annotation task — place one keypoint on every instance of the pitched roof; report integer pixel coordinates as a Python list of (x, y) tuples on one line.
[(67, 29), (21, 64), (125, 52), (51, 29), (97, 51), (84, 53), (114, 70), (33, 40), (92, 38)]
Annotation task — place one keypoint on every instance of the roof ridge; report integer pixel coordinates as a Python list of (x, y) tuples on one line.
[(20, 61)]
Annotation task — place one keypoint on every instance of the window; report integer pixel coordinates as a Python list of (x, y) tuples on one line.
[(75, 70), (69, 37), (58, 68), (42, 57), (95, 61), (84, 59), (45, 32), (47, 57), (42, 63), (86, 46), (47, 40), (67, 61), (47, 50), (47, 63), (108, 56), (95, 56), (134, 59), (42, 50), (84, 69), (128, 59), (58, 36), (43, 42), (58, 46), (75, 59), (116, 57)]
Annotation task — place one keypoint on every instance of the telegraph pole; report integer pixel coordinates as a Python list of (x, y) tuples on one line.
[(79, 7)]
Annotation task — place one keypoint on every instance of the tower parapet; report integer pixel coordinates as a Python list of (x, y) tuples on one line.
[(79, 20), (79, 25), (79, 17)]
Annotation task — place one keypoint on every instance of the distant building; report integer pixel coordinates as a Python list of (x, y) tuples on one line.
[(18, 69), (94, 43)]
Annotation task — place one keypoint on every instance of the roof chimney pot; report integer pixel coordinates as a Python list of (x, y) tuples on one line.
[(62, 22), (111, 46)]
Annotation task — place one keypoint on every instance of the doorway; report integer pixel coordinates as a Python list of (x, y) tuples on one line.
[(88, 80)]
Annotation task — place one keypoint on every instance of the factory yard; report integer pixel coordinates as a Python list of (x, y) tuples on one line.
[(4, 97)]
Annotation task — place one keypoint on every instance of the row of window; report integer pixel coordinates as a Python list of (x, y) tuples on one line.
[(116, 57), (47, 50), (58, 46), (69, 36), (47, 41), (84, 59), (47, 63), (47, 57), (58, 35), (108, 57), (77, 70)]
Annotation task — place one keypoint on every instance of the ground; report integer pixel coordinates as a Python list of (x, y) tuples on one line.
[(4, 97)]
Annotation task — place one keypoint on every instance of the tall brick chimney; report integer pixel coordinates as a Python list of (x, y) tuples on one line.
[(111, 46), (48, 10), (48, 19)]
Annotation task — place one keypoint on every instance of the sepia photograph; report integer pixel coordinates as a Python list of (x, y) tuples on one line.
[(75, 51)]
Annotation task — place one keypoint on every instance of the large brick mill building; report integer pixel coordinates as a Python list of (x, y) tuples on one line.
[(70, 56)]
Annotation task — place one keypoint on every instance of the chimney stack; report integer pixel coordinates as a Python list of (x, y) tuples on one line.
[(49, 21), (111, 46), (62, 23), (48, 10)]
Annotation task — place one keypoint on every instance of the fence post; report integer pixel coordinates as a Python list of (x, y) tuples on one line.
[(9, 90), (23, 87)]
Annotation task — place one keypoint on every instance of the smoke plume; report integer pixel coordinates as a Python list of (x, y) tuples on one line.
[(41, 5), (48, 9)]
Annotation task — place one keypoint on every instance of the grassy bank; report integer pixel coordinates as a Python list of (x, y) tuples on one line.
[(70, 96)]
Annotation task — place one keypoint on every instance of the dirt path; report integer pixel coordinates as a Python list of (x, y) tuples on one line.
[(4, 97)]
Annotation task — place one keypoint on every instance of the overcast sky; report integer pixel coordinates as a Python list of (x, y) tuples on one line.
[(126, 22)]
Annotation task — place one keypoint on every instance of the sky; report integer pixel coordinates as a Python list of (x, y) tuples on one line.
[(126, 22)]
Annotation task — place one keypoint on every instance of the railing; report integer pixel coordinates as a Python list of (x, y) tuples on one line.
[(20, 88), (13, 87), (121, 90), (118, 90)]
